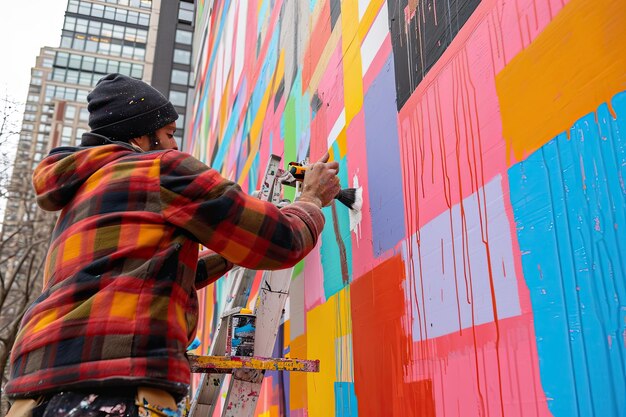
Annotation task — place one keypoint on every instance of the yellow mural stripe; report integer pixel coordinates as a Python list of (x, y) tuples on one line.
[(272, 412), (224, 111), (327, 327), (286, 336), (298, 398), (351, 47), (342, 142), (573, 66)]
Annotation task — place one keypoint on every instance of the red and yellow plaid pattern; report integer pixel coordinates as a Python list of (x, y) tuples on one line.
[(119, 303)]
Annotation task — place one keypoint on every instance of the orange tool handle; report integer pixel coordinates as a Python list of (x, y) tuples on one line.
[(297, 170)]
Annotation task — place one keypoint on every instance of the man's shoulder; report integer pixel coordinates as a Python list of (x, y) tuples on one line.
[(173, 159)]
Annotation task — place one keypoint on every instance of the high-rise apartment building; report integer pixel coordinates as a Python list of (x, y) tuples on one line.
[(145, 39)]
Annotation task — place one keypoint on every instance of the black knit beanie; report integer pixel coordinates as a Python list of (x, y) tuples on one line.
[(122, 108)]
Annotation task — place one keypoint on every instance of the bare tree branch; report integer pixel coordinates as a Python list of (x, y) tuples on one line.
[(24, 233)]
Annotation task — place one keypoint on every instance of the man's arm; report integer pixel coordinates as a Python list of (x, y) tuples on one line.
[(244, 230), (211, 266)]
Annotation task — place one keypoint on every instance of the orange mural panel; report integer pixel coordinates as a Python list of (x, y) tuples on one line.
[(573, 66)]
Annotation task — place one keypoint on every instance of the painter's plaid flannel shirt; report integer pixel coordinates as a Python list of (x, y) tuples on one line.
[(119, 303)]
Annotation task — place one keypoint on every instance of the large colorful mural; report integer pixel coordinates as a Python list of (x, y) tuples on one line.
[(486, 273)]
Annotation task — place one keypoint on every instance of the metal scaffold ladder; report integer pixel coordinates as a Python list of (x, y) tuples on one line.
[(244, 340)]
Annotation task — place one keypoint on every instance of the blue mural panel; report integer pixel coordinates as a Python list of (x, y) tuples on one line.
[(569, 204), (345, 400)]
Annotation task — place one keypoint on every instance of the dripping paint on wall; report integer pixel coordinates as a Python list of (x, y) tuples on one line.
[(484, 275)]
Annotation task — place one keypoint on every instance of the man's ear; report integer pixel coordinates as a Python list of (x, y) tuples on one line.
[(141, 142)]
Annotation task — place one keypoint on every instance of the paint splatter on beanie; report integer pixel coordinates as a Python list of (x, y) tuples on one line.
[(122, 108)]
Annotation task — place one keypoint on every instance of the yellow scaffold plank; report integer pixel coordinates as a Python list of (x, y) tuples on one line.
[(226, 364)]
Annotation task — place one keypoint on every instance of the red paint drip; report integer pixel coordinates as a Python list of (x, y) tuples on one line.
[(484, 224)]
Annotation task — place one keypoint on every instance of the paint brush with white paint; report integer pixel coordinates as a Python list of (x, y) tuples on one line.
[(349, 197)]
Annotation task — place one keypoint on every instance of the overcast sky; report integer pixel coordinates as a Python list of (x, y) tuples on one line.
[(26, 26)]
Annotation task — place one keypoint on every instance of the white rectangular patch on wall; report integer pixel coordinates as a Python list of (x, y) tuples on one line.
[(451, 265), (374, 38)]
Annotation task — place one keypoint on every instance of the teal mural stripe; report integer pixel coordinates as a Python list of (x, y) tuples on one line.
[(345, 400), (336, 249)]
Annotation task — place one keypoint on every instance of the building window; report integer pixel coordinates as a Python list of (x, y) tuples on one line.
[(121, 15), (84, 8), (81, 95), (81, 25), (72, 6), (101, 65), (70, 23), (74, 61), (109, 13), (102, 36), (58, 74), (178, 98), (185, 12), (70, 112), (85, 78), (183, 36), (144, 19), (66, 41), (94, 28), (97, 10), (62, 58), (66, 135), (88, 63), (79, 135), (137, 71), (79, 42), (83, 114), (180, 77), (127, 51), (182, 57), (71, 77), (133, 17), (139, 54)]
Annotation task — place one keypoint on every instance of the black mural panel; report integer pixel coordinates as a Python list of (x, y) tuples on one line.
[(421, 30), (316, 103), (335, 12), (279, 93)]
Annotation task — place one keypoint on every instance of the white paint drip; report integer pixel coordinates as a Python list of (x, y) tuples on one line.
[(356, 215)]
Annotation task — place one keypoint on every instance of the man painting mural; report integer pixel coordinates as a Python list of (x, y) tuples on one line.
[(108, 334)]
